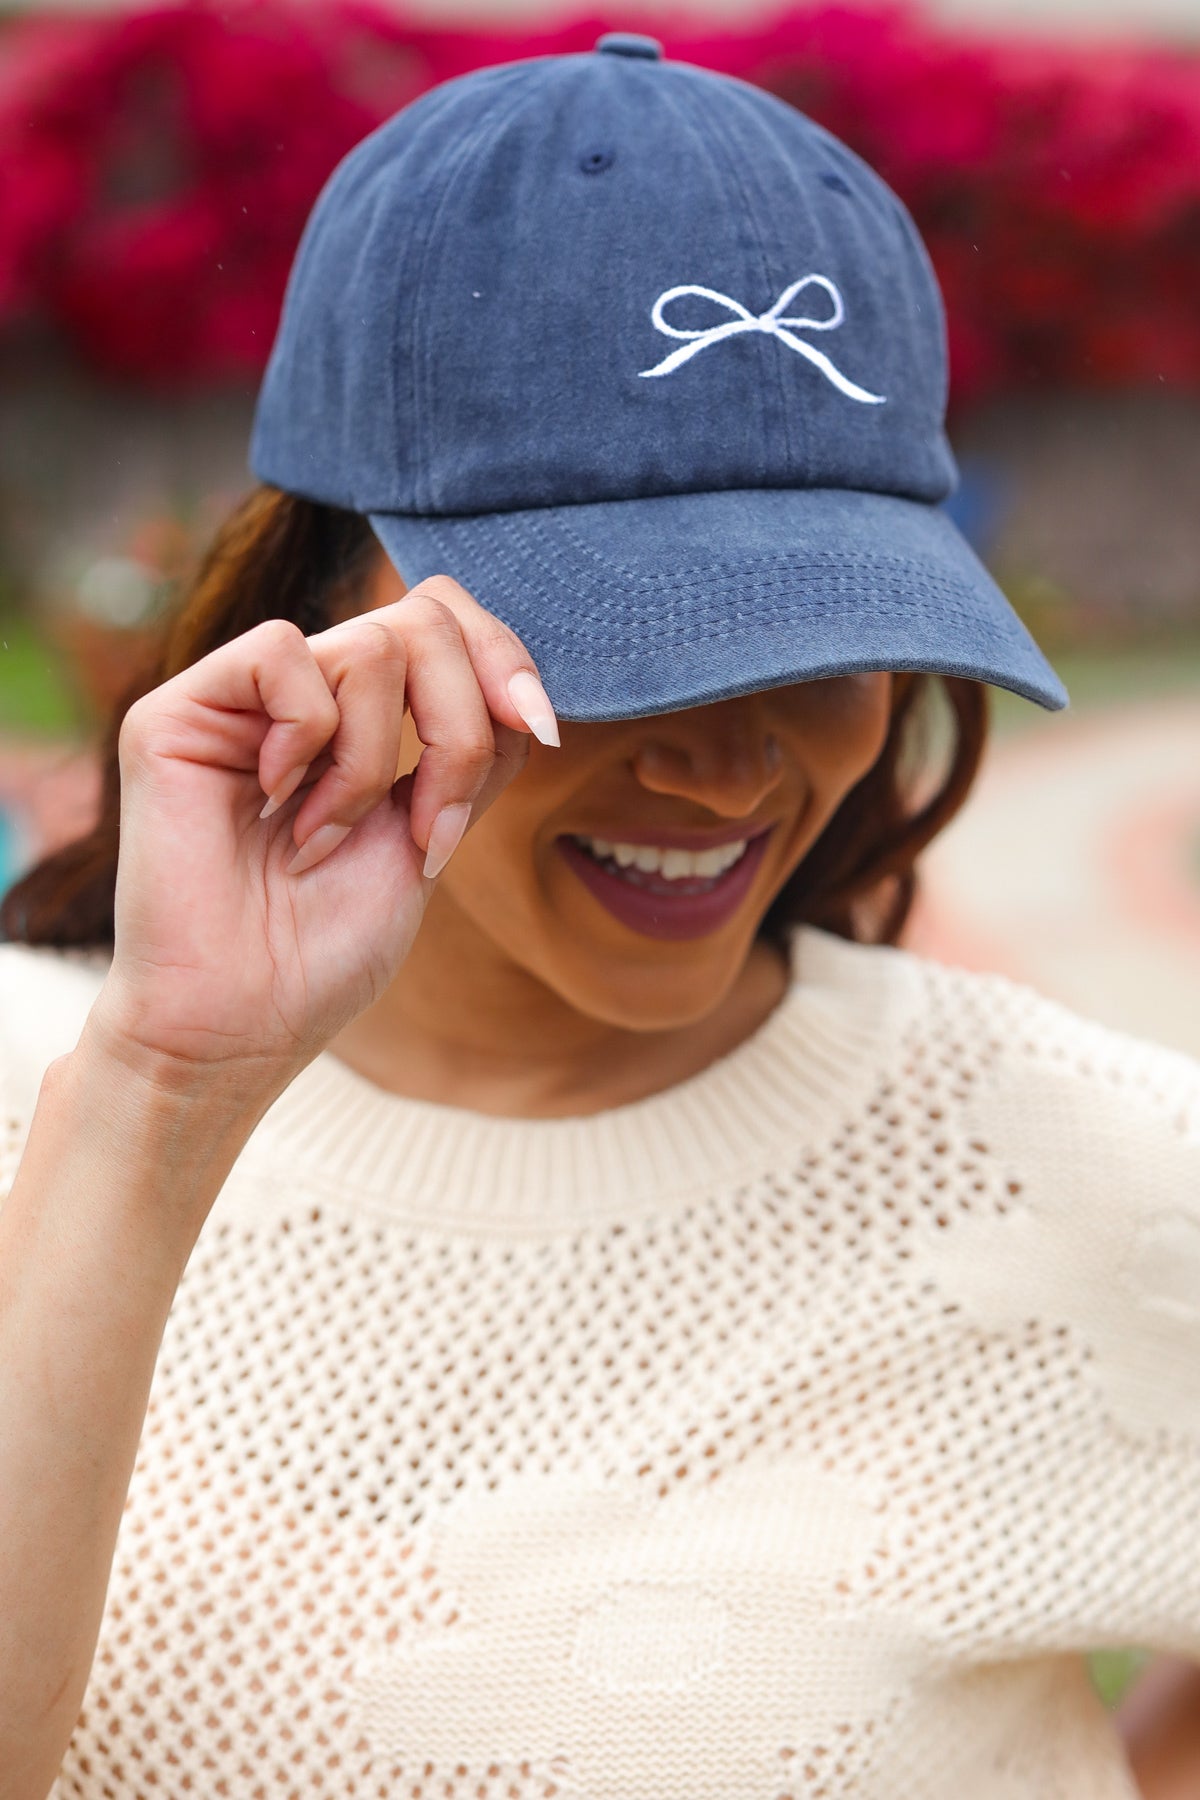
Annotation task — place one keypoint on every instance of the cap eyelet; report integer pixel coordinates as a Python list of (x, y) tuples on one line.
[(596, 161), (836, 182)]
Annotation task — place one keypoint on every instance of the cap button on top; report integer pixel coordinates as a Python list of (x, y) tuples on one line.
[(628, 43)]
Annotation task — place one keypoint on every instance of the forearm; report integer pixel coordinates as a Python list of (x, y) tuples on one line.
[(113, 1188), (1159, 1722)]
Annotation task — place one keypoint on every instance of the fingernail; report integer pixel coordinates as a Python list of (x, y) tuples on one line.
[(284, 791), (322, 843), (445, 837), (533, 703)]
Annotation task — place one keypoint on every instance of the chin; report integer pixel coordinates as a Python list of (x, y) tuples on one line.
[(665, 987)]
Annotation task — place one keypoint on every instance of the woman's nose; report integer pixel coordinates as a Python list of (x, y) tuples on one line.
[(729, 767)]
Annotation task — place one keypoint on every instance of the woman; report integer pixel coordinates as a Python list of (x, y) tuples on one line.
[(590, 1314)]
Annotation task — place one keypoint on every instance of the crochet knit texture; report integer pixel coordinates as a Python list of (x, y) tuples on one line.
[(786, 1435)]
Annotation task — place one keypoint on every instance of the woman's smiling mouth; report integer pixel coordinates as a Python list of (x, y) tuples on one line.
[(679, 871), (665, 890)]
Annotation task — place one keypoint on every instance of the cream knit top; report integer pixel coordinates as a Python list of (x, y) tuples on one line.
[(783, 1436)]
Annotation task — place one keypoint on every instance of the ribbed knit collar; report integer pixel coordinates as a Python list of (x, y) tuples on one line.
[(781, 1089)]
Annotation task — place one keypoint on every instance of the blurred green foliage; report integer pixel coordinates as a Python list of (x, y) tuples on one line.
[(1107, 675), (36, 695), (1112, 1672)]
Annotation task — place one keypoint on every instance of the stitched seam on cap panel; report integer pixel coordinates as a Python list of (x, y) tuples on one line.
[(412, 437), (677, 628), (587, 658), (684, 631), (458, 163), (608, 568), (780, 371), (825, 564), (758, 361), (670, 622), (783, 560), (917, 245), (782, 566), (589, 650)]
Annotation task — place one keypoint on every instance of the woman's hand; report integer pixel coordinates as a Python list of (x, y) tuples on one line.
[(233, 955)]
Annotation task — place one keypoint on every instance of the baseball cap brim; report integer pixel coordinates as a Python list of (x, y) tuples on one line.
[(636, 607)]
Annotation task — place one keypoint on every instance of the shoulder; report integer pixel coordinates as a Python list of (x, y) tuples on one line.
[(1045, 1169), (1007, 1047), (1098, 1131), (1065, 1085), (1066, 1158), (1023, 1109)]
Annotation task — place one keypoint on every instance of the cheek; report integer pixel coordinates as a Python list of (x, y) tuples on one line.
[(492, 882), (838, 727), (497, 874), (868, 716)]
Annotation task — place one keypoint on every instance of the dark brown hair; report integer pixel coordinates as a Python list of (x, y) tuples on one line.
[(278, 556)]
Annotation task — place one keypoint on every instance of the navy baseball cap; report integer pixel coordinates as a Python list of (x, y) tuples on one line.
[(656, 368)]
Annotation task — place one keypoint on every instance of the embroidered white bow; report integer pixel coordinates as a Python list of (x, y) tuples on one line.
[(774, 321)]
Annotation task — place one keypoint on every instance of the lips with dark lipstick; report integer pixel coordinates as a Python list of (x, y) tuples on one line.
[(669, 888)]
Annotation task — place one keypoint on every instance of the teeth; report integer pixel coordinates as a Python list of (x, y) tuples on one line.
[(672, 865)]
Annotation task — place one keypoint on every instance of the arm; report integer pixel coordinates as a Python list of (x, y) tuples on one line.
[(235, 963), (1159, 1722), (117, 1178)]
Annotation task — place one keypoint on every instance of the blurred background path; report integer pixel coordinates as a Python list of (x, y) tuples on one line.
[(1075, 865)]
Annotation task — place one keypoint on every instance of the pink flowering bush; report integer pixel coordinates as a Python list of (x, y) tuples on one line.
[(160, 164)]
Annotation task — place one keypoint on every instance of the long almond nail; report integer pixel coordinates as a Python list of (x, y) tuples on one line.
[(445, 837), (533, 703), (322, 843), (284, 791)]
